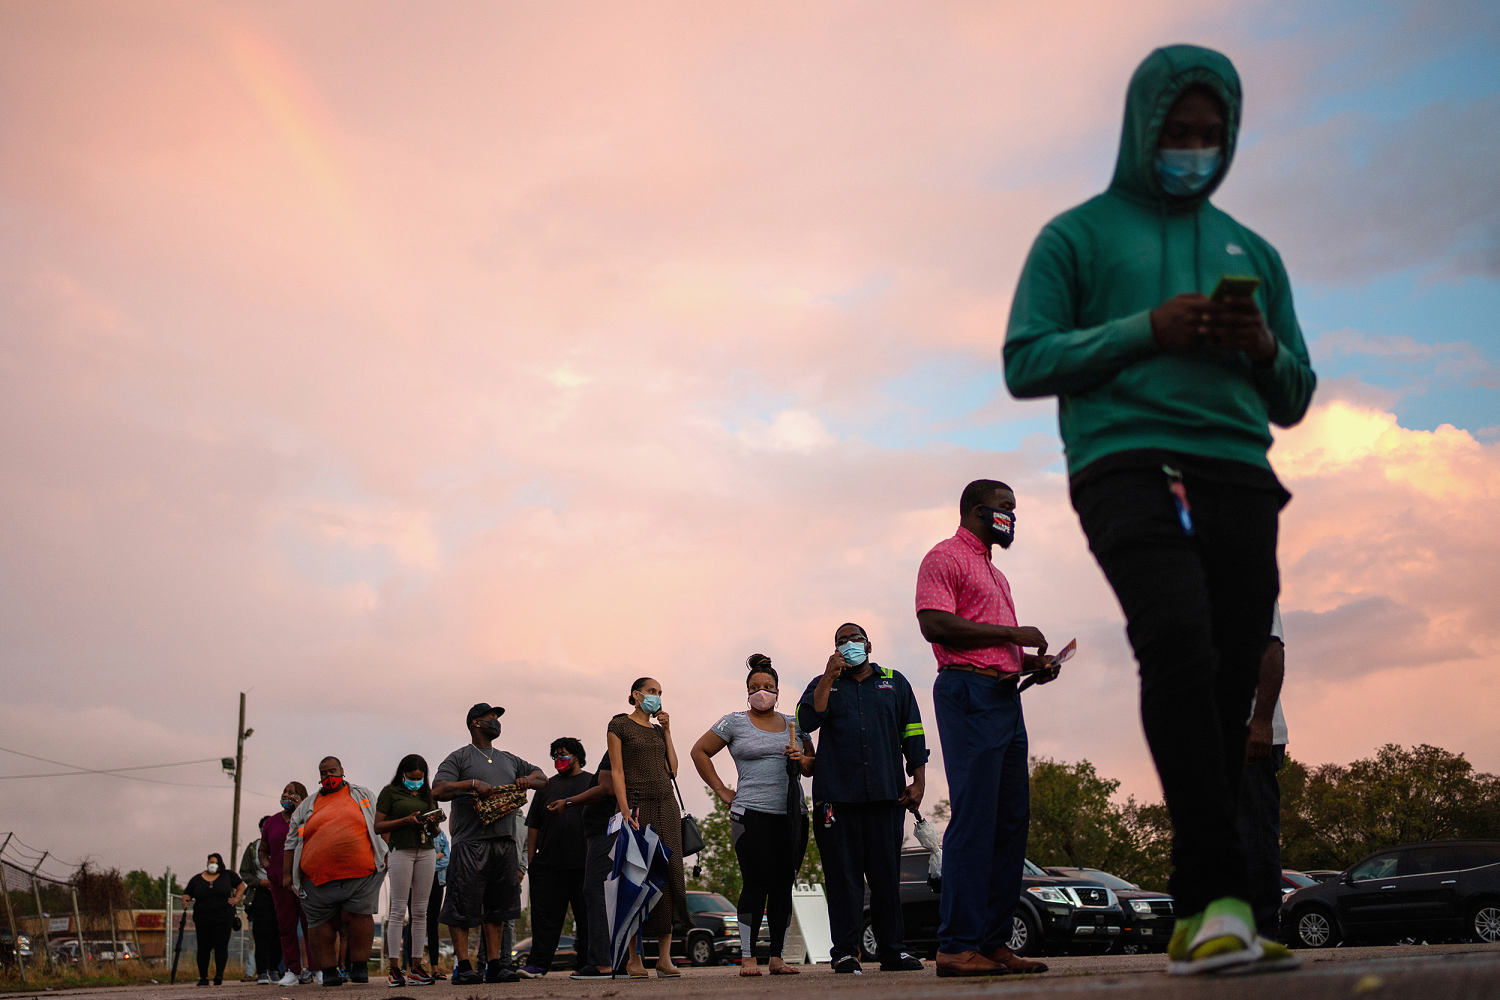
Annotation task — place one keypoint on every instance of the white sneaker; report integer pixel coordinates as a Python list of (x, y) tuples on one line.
[(290, 979), (318, 977)]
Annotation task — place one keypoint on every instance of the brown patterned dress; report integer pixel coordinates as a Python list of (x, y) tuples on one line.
[(648, 787)]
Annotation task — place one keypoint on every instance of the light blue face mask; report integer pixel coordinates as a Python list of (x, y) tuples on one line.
[(651, 704), (1185, 172), (853, 653), (412, 786)]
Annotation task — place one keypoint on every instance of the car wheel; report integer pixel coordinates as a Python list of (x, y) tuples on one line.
[(869, 948), (1485, 922), (1025, 937), (700, 949), (1315, 928)]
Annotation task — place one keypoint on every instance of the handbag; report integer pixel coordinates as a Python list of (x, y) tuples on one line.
[(692, 837)]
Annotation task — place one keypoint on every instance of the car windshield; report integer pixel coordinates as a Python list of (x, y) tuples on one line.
[(1030, 869), (1297, 878), (708, 902)]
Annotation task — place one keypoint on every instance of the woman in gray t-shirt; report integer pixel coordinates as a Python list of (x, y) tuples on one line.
[(767, 812)]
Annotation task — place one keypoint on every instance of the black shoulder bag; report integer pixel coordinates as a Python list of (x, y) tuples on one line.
[(692, 837)]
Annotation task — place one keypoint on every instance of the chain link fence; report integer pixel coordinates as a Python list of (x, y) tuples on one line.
[(86, 922)]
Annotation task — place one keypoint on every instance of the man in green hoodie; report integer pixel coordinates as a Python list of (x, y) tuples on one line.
[(1165, 397)]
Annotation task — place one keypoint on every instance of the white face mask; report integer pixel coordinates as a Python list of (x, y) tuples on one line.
[(213, 868)]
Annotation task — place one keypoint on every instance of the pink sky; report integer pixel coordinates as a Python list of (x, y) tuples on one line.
[(378, 363)]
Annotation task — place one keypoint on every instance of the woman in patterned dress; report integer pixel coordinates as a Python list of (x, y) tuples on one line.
[(643, 763)]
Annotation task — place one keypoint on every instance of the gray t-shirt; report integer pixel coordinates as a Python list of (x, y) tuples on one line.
[(498, 767), (762, 785)]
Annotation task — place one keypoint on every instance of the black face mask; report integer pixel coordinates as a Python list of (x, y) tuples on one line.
[(1002, 525), (490, 728)]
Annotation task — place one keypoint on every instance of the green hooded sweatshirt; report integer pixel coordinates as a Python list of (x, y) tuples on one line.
[(1080, 325)]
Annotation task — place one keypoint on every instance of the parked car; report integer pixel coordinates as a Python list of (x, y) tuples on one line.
[(1292, 881), (11, 945), (1432, 891), (1053, 913), (566, 957), (66, 951), (1321, 875), (1148, 914)]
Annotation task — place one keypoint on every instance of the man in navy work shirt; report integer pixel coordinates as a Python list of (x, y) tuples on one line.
[(869, 722)]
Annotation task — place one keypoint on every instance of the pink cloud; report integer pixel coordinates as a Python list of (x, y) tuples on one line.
[(515, 356)]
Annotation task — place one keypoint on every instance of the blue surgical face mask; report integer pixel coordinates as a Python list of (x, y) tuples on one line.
[(651, 704), (1185, 172), (853, 653), (413, 786)]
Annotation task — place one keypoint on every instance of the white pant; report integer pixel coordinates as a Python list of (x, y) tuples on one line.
[(411, 873)]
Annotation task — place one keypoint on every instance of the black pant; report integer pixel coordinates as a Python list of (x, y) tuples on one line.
[(1198, 614), (862, 844), (769, 847), (262, 913), (596, 869), (553, 890), (1260, 832), (434, 904), (213, 938)]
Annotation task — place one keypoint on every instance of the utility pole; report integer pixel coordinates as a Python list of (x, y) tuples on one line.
[(241, 734), (41, 915)]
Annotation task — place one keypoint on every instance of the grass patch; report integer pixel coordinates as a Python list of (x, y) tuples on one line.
[(132, 972)]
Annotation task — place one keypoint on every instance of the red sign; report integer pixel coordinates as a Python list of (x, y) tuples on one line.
[(150, 921)]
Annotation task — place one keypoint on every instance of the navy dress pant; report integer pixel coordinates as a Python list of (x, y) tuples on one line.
[(984, 756)]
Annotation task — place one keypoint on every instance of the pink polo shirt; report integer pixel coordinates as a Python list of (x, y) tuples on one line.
[(958, 577)]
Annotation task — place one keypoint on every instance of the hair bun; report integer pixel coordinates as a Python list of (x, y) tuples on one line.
[(757, 660)]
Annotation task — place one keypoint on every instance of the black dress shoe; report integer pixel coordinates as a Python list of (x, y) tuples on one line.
[(467, 977), (902, 963), (498, 972), (848, 965)]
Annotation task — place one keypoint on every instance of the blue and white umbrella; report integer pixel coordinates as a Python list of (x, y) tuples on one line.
[(640, 869)]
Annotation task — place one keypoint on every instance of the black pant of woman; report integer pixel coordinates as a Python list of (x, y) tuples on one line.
[(770, 849), (262, 913), (213, 938)]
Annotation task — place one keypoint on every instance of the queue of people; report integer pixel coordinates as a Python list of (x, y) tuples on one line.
[(1166, 396), (325, 856)]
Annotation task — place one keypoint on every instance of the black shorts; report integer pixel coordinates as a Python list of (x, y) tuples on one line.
[(482, 883)]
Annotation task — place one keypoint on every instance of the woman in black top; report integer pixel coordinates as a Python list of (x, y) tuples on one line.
[(213, 894)]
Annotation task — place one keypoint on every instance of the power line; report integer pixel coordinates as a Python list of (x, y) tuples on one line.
[(114, 771)]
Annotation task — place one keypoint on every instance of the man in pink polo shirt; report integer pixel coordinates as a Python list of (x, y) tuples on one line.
[(965, 610)]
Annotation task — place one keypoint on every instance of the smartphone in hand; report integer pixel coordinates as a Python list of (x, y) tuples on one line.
[(1235, 286)]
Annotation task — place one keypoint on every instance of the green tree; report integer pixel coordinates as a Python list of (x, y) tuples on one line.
[(1073, 820), (1333, 815), (1150, 831), (148, 891)]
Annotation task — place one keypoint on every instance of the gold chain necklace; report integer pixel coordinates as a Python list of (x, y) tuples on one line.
[(487, 758)]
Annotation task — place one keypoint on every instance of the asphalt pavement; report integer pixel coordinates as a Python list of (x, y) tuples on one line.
[(1449, 972)]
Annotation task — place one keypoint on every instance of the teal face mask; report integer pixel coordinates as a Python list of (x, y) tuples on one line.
[(1185, 172), (651, 704), (412, 786), (853, 653)]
